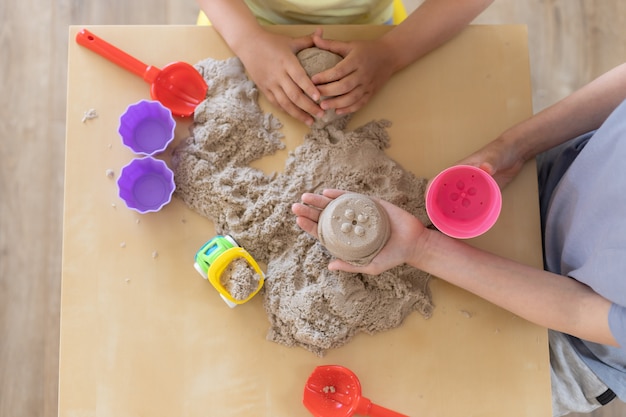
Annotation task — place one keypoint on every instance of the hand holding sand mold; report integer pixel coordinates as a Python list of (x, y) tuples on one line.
[(402, 243)]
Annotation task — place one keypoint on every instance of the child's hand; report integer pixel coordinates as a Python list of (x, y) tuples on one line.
[(365, 68), (272, 64), (402, 246), (499, 159)]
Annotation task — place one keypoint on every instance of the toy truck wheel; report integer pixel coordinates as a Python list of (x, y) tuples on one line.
[(231, 240), (200, 271)]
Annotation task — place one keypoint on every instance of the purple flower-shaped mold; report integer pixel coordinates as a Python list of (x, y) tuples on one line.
[(147, 127), (146, 184)]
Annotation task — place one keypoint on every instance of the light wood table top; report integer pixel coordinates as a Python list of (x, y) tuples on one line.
[(143, 335)]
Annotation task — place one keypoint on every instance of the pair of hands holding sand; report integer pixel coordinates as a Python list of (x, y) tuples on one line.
[(346, 87), (270, 60)]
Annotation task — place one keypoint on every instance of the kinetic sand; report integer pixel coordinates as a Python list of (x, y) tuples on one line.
[(307, 305)]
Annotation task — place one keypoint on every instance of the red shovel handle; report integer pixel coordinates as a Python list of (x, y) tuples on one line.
[(110, 52), (367, 408), (378, 411)]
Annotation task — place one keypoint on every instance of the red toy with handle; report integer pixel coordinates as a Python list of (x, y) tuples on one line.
[(335, 391), (178, 86)]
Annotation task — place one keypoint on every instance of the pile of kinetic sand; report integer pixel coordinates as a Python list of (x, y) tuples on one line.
[(307, 305)]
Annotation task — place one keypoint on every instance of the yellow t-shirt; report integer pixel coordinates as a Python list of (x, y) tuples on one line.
[(322, 12)]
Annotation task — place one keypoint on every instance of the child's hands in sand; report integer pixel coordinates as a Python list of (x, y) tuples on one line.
[(403, 244), (272, 64), (351, 83)]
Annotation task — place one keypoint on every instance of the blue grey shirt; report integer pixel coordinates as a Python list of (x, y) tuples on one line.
[(585, 238)]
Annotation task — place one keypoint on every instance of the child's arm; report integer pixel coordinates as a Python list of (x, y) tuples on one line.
[(581, 112), (234, 21), (429, 26), (270, 59), (547, 299)]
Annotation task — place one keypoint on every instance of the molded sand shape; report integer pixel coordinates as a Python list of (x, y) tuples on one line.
[(354, 228), (314, 61)]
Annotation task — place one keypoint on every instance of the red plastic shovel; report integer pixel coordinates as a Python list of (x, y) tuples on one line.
[(335, 391), (178, 86)]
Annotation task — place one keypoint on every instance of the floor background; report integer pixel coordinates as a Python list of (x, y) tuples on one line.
[(570, 41)]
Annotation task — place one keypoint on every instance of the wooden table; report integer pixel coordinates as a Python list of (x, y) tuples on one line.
[(143, 335)]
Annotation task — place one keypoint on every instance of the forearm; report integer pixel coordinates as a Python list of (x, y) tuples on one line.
[(432, 24), (547, 299), (581, 112), (233, 20)]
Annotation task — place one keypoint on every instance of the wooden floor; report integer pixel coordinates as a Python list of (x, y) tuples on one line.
[(570, 41)]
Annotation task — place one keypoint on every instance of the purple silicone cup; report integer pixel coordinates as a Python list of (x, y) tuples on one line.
[(463, 201), (146, 184), (147, 127)]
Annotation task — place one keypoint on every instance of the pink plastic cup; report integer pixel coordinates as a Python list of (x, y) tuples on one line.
[(463, 201), (146, 184), (147, 127)]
